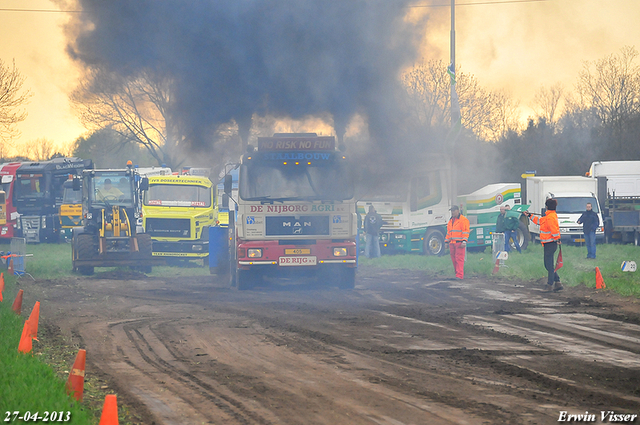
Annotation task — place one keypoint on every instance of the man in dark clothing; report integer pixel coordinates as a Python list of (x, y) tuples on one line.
[(511, 224), (590, 223), (372, 224)]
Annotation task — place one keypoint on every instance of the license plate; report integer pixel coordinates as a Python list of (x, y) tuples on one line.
[(297, 251), (579, 240), (297, 261)]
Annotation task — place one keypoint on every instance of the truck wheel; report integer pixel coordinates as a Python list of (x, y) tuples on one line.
[(433, 242), (523, 236), (347, 278), (245, 279), (85, 250)]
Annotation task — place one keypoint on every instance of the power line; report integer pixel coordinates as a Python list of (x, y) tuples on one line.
[(41, 10), (479, 3)]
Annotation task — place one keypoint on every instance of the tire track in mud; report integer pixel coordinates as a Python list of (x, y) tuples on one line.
[(231, 407)]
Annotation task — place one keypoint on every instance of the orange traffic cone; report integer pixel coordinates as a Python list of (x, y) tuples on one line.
[(25, 339), (599, 281), (109, 410), (496, 268), (1, 285), (10, 268), (75, 383), (33, 320), (17, 304)]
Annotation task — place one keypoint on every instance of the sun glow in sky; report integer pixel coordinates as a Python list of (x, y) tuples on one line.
[(513, 46)]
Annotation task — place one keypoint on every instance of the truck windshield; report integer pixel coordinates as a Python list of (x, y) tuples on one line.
[(71, 196), (397, 191), (263, 181), (111, 189), (173, 195), (576, 205), (30, 186)]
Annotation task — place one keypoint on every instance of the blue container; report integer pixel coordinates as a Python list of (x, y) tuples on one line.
[(218, 246)]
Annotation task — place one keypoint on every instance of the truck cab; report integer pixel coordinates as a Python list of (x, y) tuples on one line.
[(38, 192), (177, 212), (70, 212)]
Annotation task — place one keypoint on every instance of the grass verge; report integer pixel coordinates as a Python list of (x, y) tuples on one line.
[(529, 266)]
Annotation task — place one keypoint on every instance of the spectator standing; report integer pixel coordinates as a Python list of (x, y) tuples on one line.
[(511, 224), (457, 237), (590, 223), (372, 224)]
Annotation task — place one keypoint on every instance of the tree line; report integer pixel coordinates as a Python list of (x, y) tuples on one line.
[(599, 119)]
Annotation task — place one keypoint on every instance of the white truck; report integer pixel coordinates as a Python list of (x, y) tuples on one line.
[(416, 208), (619, 194), (572, 193)]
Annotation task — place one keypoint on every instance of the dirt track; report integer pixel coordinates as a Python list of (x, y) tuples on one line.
[(402, 348)]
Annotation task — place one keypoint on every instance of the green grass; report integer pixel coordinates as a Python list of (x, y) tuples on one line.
[(529, 266), (26, 382)]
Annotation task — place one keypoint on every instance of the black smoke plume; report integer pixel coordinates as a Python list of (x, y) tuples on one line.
[(229, 59)]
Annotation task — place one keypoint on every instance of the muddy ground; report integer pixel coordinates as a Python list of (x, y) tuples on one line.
[(402, 348)]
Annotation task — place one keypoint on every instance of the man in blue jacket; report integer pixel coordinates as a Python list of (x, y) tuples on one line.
[(590, 222)]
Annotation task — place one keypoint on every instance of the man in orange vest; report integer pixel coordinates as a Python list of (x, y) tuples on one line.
[(550, 238), (457, 236)]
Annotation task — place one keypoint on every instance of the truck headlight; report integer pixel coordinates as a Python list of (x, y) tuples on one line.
[(88, 216), (44, 222), (400, 236), (196, 247), (384, 237), (339, 252), (254, 252)]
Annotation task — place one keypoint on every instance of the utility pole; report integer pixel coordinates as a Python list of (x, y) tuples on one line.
[(455, 108)]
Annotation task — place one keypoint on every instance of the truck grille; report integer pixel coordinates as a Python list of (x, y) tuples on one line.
[(316, 225), (168, 227), (392, 221)]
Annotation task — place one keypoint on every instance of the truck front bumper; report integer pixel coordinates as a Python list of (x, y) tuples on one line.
[(190, 249)]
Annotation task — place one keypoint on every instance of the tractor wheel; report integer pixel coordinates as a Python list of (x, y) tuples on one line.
[(85, 250), (245, 279), (523, 236), (145, 250)]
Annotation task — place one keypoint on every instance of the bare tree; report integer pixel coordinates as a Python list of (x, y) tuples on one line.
[(547, 101), (37, 150), (12, 97), (610, 87), (487, 114), (137, 108)]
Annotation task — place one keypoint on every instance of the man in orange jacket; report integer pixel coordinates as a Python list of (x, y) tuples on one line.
[(550, 238), (457, 236)]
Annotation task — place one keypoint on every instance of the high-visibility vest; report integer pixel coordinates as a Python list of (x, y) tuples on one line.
[(549, 227), (458, 229)]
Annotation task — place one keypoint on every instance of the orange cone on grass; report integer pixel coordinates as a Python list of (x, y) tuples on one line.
[(17, 304), (25, 340), (599, 280), (10, 268), (1, 285), (34, 317), (75, 383), (109, 410)]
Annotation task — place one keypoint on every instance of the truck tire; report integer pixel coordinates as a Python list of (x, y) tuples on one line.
[(85, 250), (523, 235), (433, 243), (245, 279), (347, 278)]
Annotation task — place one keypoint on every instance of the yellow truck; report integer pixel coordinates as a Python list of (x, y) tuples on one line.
[(177, 212)]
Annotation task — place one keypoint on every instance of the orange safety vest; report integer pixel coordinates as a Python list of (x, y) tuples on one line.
[(458, 230), (549, 227)]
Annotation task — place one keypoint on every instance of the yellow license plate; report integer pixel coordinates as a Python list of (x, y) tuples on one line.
[(297, 251), (579, 240)]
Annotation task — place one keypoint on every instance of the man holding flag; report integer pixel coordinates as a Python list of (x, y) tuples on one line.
[(550, 239)]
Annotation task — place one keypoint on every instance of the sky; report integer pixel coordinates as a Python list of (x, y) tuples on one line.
[(512, 45)]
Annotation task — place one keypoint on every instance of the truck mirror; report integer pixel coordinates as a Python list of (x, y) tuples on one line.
[(225, 201), (144, 184), (76, 184), (227, 184)]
